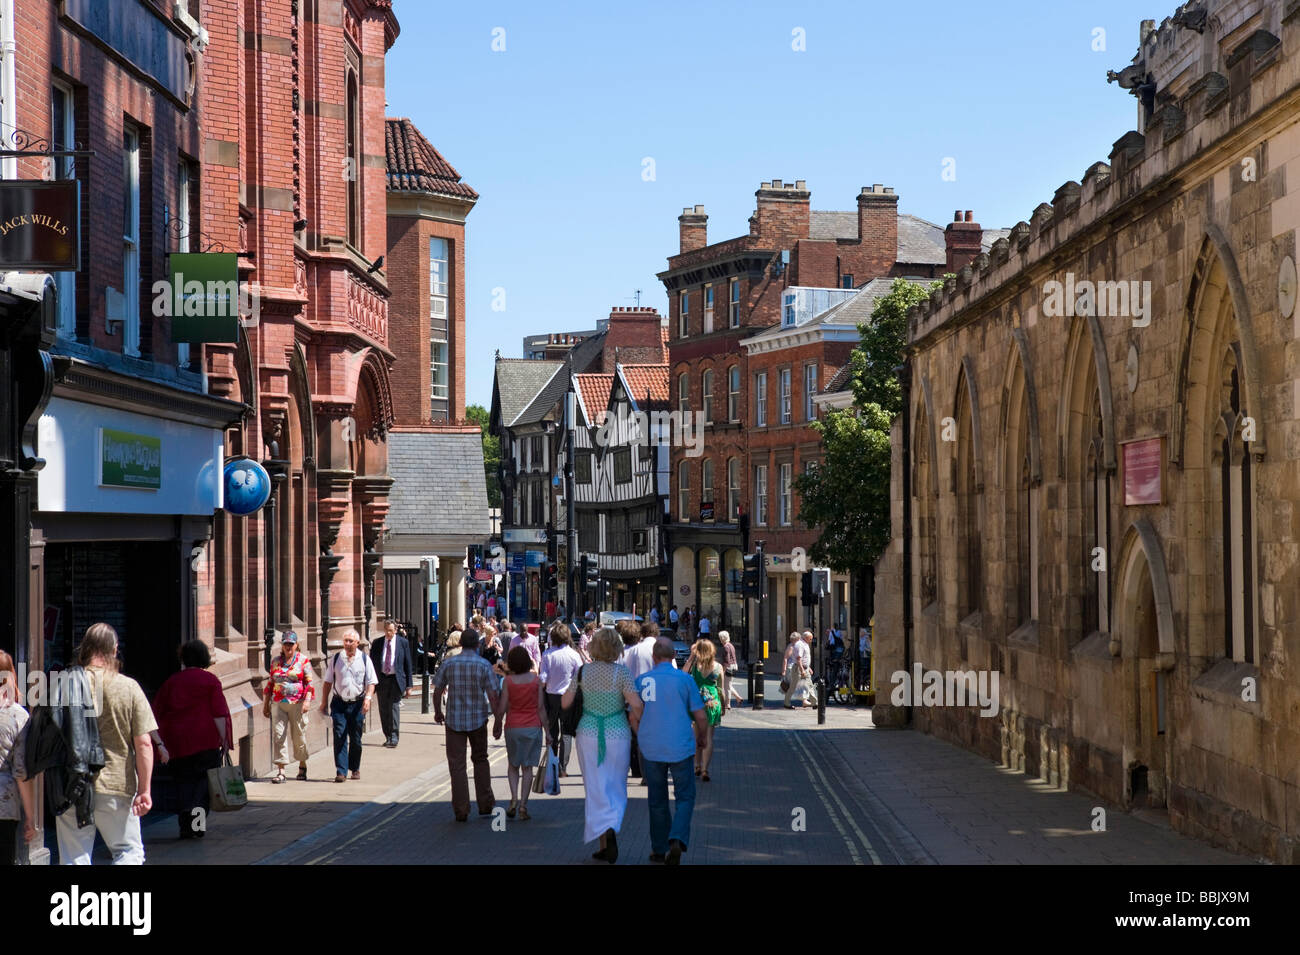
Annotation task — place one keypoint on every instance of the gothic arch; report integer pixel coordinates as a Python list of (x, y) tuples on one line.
[(973, 399), (1217, 313), (1085, 332), (1141, 552)]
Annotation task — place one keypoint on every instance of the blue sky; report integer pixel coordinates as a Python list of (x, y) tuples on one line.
[(553, 130)]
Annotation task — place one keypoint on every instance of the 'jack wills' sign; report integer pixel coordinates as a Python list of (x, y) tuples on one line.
[(40, 225)]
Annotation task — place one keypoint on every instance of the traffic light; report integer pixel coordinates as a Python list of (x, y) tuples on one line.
[(808, 594), (592, 573), (552, 577), (751, 585)]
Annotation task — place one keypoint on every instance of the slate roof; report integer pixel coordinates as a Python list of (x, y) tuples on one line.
[(594, 392), (852, 311), (647, 384), (439, 485), (920, 241), (415, 166), (588, 354), (518, 382), (555, 388)]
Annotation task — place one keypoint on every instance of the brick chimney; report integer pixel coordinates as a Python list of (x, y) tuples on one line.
[(962, 238), (694, 226), (878, 226), (782, 214), (633, 338)]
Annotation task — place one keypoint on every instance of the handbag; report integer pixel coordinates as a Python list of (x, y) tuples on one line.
[(570, 718), (552, 777), (539, 778), (226, 786)]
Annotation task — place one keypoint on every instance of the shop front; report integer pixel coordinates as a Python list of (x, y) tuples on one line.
[(125, 504)]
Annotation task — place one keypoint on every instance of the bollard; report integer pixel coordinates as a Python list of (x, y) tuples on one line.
[(821, 701), (757, 676), (424, 674)]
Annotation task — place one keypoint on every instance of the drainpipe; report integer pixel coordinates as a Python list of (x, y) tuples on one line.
[(8, 85), (905, 383)]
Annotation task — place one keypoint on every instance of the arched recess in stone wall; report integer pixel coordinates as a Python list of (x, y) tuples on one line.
[(1217, 313), (925, 492), (1219, 442), (1085, 463), (1019, 481), (1141, 554), (967, 485)]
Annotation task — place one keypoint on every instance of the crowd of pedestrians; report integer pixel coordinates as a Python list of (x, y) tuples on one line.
[(615, 694)]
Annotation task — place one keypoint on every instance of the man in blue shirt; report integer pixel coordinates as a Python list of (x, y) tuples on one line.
[(671, 726)]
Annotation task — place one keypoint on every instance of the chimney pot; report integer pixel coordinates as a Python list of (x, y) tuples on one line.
[(956, 216), (776, 183), (969, 218), (801, 184), (876, 187), (699, 210)]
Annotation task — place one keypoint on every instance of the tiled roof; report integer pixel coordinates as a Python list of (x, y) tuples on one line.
[(518, 380), (594, 392), (439, 485), (840, 382), (647, 384), (415, 166)]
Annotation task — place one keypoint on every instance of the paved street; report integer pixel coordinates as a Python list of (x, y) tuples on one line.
[(865, 796)]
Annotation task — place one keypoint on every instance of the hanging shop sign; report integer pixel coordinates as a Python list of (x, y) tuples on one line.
[(202, 296), (248, 486), (129, 460), (40, 225)]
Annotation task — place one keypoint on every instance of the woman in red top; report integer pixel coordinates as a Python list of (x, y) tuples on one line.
[(194, 726), (521, 704)]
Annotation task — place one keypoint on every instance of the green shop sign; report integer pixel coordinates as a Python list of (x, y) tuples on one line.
[(202, 297), (129, 460)]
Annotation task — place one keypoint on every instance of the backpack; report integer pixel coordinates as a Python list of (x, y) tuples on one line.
[(63, 742)]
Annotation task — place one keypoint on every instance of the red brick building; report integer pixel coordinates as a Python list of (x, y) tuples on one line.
[(294, 180), (794, 264), (439, 498)]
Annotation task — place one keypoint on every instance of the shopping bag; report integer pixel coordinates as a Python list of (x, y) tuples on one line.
[(539, 778), (226, 786), (553, 777)]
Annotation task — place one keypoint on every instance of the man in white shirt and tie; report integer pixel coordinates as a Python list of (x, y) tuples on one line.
[(392, 659)]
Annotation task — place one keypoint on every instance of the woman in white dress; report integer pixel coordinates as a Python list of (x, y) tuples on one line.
[(611, 713)]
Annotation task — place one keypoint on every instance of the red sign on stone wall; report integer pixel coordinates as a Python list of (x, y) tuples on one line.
[(1144, 471)]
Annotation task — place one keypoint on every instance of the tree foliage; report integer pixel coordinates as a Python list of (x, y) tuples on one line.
[(847, 497), (491, 453)]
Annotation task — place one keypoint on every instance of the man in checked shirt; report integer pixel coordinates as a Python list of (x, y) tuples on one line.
[(471, 698)]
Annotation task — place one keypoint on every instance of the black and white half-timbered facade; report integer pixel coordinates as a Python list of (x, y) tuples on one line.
[(621, 458)]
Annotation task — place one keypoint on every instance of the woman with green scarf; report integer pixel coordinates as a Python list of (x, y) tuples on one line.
[(611, 712)]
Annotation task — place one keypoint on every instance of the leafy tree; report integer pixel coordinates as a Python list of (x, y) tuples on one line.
[(880, 349), (847, 497), (491, 453)]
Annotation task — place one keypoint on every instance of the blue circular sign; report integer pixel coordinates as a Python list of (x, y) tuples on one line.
[(247, 485)]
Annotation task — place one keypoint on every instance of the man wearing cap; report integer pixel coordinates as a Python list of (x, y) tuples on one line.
[(392, 659), (286, 701)]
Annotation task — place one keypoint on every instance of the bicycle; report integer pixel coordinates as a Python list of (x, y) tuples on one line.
[(840, 687)]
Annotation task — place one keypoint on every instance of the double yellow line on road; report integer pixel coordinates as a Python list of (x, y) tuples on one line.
[(823, 789)]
